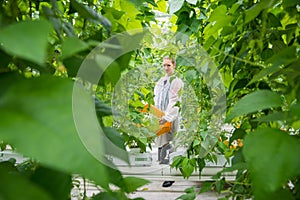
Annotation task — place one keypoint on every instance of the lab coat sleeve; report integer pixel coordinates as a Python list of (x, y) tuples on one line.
[(156, 91), (172, 111)]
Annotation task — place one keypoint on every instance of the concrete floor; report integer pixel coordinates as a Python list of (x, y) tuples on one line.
[(156, 174)]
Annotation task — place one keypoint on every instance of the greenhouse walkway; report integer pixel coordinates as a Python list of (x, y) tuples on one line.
[(157, 174)]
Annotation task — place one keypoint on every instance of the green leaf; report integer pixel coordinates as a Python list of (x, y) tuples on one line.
[(273, 158), (190, 75), (56, 183), (118, 141), (152, 2), (162, 5), (295, 110), (115, 13), (273, 21), (289, 116), (220, 184), (27, 40), (133, 183), (112, 74), (73, 64), (13, 186), (227, 30), (276, 116), (72, 46), (255, 10), (294, 116), (187, 167), (109, 196), (282, 193), (195, 25), (188, 196), (206, 186), (37, 118), (190, 189), (218, 20), (88, 13), (289, 3), (196, 143), (283, 58), (256, 101), (175, 5), (177, 161), (218, 14), (139, 3), (5, 59)]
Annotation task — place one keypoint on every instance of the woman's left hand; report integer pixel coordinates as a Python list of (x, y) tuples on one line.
[(162, 121)]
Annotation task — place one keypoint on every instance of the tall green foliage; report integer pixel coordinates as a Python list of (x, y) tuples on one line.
[(256, 48), (43, 44)]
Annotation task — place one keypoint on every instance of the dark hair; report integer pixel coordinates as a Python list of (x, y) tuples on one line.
[(171, 58)]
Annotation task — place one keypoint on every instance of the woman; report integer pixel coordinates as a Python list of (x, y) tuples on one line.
[(167, 97)]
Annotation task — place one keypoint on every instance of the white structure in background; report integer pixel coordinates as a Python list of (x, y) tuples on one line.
[(9, 154)]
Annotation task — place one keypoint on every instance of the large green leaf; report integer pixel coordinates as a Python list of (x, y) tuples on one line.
[(283, 58), (133, 183), (112, 73), (116, 14), (276, 116), (37, 118), (56, 183), (289, 3), (109, 196), (273, 158), (4, 59), (73, 64), (117, 140), (255, 10), (256, 101), (129, 19), (26, 39), (13, 186), (291, 117), (71, 46)]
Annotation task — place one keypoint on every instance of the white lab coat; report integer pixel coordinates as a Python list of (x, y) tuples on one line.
[(166, 95)]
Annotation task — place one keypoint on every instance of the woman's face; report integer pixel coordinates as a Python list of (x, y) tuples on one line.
[(168, 66)]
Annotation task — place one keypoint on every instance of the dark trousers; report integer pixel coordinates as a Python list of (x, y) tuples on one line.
[(163, 158)]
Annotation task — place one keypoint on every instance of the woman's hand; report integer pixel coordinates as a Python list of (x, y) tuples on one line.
[(162, 121)]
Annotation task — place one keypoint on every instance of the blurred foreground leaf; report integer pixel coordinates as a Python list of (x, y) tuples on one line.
[(272, 157), (31, 44), (37, 118), (256, 101), (14, 186)]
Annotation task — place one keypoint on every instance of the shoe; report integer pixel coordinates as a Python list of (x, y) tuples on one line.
[(168, 183)]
